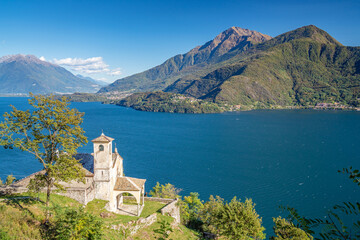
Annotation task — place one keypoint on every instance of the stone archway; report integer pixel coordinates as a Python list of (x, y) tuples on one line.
[(129, 203)]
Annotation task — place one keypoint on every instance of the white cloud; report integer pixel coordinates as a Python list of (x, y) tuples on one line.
[(115, 72), (42, 58), (88, 65)]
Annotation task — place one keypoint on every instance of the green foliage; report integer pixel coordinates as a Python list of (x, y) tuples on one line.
[(164, 230), (239, 220), (286, 230), (209, 213), (74, 224), (1, 182), (165, 191), (4, 235), (84, 97), (10, 179), (191, 207), (354, 174), (51, 132), (233, 220), (299, 221), (168, 102)]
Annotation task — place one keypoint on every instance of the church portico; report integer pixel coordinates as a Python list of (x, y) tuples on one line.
[(128, 185)]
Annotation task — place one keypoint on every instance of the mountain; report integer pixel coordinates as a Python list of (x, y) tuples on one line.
[(21, 74), (303, 67), (227, 43), (94, 81)]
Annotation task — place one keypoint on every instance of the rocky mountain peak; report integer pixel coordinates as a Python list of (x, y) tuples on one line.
[(234, 37), (237, 33), (23, 58)]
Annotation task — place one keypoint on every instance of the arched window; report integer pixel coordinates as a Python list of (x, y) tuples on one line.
[(101, 148)]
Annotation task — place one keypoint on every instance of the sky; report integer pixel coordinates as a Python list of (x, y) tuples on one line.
[(109, 40)]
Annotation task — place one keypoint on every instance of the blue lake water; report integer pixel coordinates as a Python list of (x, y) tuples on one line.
[(282, 157)]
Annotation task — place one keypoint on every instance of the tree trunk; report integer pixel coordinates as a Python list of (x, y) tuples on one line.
[(48, 191)]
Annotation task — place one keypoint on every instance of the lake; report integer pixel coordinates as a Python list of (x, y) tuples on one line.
[(275, 157)]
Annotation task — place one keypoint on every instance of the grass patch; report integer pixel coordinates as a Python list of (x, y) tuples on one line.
[(21, 217), (98, 206)]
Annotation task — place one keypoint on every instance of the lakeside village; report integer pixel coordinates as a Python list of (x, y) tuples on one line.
[(95, 200)]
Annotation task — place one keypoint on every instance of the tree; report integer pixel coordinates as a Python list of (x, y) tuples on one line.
[(51, 132), (239, 220), (287, 230), (10, 179), (165, 191), (208, 214), (190, 208)]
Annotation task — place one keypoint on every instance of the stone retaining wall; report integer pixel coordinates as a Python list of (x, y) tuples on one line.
[(173, 210), (134, 226), (6, 190), (153, 199)]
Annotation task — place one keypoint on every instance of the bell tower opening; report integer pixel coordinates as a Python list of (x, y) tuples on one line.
[(101, 148)]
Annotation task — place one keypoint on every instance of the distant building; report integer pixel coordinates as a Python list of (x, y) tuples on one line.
[(104, 179)]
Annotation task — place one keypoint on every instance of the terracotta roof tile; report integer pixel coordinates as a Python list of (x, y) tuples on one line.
[(139, 182), (103, 138), (129, 184)]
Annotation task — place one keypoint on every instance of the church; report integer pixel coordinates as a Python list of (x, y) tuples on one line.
[(104, 179)]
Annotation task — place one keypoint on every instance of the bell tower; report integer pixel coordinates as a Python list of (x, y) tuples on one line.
[(102, 166)]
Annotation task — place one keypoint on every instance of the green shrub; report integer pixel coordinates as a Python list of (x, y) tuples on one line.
[(191, 206), (287, 230), (165, 191), (70, 223), (4, 235), (239, 220)]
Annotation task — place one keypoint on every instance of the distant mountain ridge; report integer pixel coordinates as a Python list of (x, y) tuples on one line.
[(302, 67), (99, 82), (21, 74), (232, 40)]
